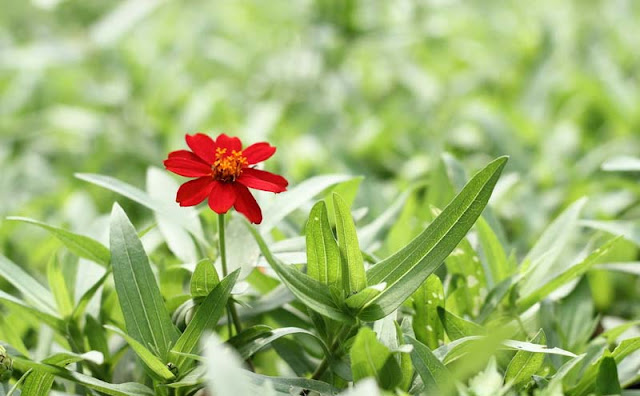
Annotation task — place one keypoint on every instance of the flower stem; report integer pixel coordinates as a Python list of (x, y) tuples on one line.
[(223, 260)]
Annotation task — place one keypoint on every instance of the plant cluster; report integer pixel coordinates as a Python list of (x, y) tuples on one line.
[(264, 310)]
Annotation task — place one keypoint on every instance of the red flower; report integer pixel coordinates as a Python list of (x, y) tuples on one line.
[(223, 172)]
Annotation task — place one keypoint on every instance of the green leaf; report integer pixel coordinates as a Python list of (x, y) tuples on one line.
[(146, 317), (124, 389), (607, 380), (494, 255), (367, 235), (204, 278), (249, 348), (426, 300), (456, 327), (189, 223), (566, 276), (39, 382), (283, 386), (370, 358), (206, 316), (361, 298), (323, 255), (52, 320), (540, 259), (77, 244), (155, 365), (96, 336), (436, 377), (311, 292), (31, 289), (353, 275), (405, 358), (162, 188), (58, 285), (630, 230), (525, 364), (495, 297), (291, 200), (407, 269), (84, 300)]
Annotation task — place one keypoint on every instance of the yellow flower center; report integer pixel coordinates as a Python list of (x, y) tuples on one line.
[(228, 167)]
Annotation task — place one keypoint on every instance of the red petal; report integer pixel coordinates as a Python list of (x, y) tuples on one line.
[(222, 197), (263, 180), (203, 146), (184, 154), (230, 143), (258, 152), (246, 204), (195, 191), (187, 167)]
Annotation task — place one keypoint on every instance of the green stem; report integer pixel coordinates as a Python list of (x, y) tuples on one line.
[(231, 307), (324, 364), (223, 259)]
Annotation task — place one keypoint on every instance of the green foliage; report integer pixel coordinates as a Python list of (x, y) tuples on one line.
[(389, 267)]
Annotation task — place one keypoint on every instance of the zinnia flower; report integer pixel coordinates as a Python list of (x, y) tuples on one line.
[(224, 173)]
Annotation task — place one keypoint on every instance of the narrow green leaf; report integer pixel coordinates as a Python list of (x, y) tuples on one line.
[(370, 358), (426, 300), (12, 336), (77, 244), (436, 377), (162, 188), (146, 317), (367, 235), (407, 269), (96, 336), (157, 367), (405, 358), (206, 317), (361, 298), (525, 364), (607, 380), (494, 255), (353, 275), (630, 230), (291, 200), (124, 389), (30, 288), (52, 320), (189, 223), (323, 255), (495, 297), (84, 300), (58, 286), (569, 274), (311, 292), (456, 327), (39, 382), (251, 347), (540, 259), (204, 278)]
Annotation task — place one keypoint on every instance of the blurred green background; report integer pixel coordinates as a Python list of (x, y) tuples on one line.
[(369, 87)]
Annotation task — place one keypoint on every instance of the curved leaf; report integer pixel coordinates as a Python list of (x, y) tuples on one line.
[(407, 269), (77, 244)]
